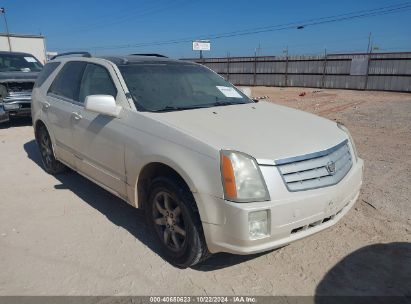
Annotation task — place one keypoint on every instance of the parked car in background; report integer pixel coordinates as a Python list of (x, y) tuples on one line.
[(18, 72), (214, 170)]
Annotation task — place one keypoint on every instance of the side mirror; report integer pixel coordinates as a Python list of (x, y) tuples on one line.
[(103, 104)]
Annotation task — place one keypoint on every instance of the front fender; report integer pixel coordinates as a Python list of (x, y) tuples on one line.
[(201, 173)]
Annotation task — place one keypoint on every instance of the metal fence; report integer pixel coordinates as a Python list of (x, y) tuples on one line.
[(379, 71)]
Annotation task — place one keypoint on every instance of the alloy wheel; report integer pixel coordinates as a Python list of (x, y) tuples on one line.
[(46, 149), (169, 221)]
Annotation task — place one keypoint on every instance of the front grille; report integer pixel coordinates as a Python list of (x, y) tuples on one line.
[(20, 86), (17, 96), (18, 91), (316, 170)]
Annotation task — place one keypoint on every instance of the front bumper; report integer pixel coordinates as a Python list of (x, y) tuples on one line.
[(15, 108), (4, 116), (291, 215)]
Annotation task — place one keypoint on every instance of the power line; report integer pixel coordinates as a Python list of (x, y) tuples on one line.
[(154, 10), (304, 22), (121, 18), (405, 6), (276, 27)]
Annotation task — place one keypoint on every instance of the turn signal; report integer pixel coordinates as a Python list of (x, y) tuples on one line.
[(228, 177)]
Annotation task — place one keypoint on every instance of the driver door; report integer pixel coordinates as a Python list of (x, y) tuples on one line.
[(97, 138)]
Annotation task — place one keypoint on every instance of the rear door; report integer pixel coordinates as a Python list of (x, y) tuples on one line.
[(98, 139), (63, 92)]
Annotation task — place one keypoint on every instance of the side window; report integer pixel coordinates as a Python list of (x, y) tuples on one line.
[(45, 73), (96, 81), (67, 82)]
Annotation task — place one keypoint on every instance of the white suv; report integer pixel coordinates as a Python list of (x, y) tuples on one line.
[(214, 170)]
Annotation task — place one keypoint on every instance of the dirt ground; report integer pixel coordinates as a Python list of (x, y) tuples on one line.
[(66, 236)]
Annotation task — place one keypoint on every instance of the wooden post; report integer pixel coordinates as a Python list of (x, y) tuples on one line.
[(228, 67), (286, 68), (368, 69), (255, 68), (324, 69)]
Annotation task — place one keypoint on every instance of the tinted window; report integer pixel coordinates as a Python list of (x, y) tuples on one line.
[(45, 73), (67, 82), (96, 80), (19, 63), (158, 86)]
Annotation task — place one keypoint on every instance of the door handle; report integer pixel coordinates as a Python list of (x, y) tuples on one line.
[(46, 105), (77, 116)]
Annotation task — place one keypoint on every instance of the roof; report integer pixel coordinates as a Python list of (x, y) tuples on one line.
[(127, 59), (22, 35), (120, 59), (15, 53)]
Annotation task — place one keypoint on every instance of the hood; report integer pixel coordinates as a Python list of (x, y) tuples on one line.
[(18, 76), (263, 130)]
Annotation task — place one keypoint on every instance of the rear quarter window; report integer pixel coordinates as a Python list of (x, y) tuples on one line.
[(45, 73)]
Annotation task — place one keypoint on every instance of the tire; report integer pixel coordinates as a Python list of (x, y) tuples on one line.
[(50, 164), (173, 216)]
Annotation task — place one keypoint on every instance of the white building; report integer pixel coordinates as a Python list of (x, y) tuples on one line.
[(32, 44)]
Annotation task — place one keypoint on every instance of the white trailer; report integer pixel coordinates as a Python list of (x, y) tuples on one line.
[(32, 44)]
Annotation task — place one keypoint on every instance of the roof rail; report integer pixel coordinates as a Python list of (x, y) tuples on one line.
[(150, 54), (83, 54)]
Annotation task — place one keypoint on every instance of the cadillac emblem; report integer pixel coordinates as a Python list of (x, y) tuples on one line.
[(330, 167)]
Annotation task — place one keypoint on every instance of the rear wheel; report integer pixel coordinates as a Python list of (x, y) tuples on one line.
[(173, 215), (50, 163)]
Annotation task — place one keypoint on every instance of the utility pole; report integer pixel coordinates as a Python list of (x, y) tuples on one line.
[(259, 49), (368, 63), (369, 43), (3, 11)]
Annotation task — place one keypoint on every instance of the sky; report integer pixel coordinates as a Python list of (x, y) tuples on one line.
[(117, 27)]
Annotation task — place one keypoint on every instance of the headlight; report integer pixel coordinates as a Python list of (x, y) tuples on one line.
[(342, 127), (242, 178)]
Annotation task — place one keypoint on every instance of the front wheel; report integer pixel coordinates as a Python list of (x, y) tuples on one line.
[(50, 163), (173, 215)]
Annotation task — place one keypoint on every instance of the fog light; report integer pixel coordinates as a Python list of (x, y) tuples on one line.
[(258, 224)]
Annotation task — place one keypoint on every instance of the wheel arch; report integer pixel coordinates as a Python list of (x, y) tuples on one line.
[(154, 169), (36, 126)]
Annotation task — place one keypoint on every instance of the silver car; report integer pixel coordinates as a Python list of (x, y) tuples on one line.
[(214, 170)]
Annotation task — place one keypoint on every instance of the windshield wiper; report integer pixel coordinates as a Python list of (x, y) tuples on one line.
[(174, 108), (209, 105), (226, 103)]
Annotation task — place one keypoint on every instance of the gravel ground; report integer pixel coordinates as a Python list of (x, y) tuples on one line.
[(66, 236)]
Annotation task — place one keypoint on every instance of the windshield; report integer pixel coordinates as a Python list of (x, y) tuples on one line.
[(177, 86), (19, 63)]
